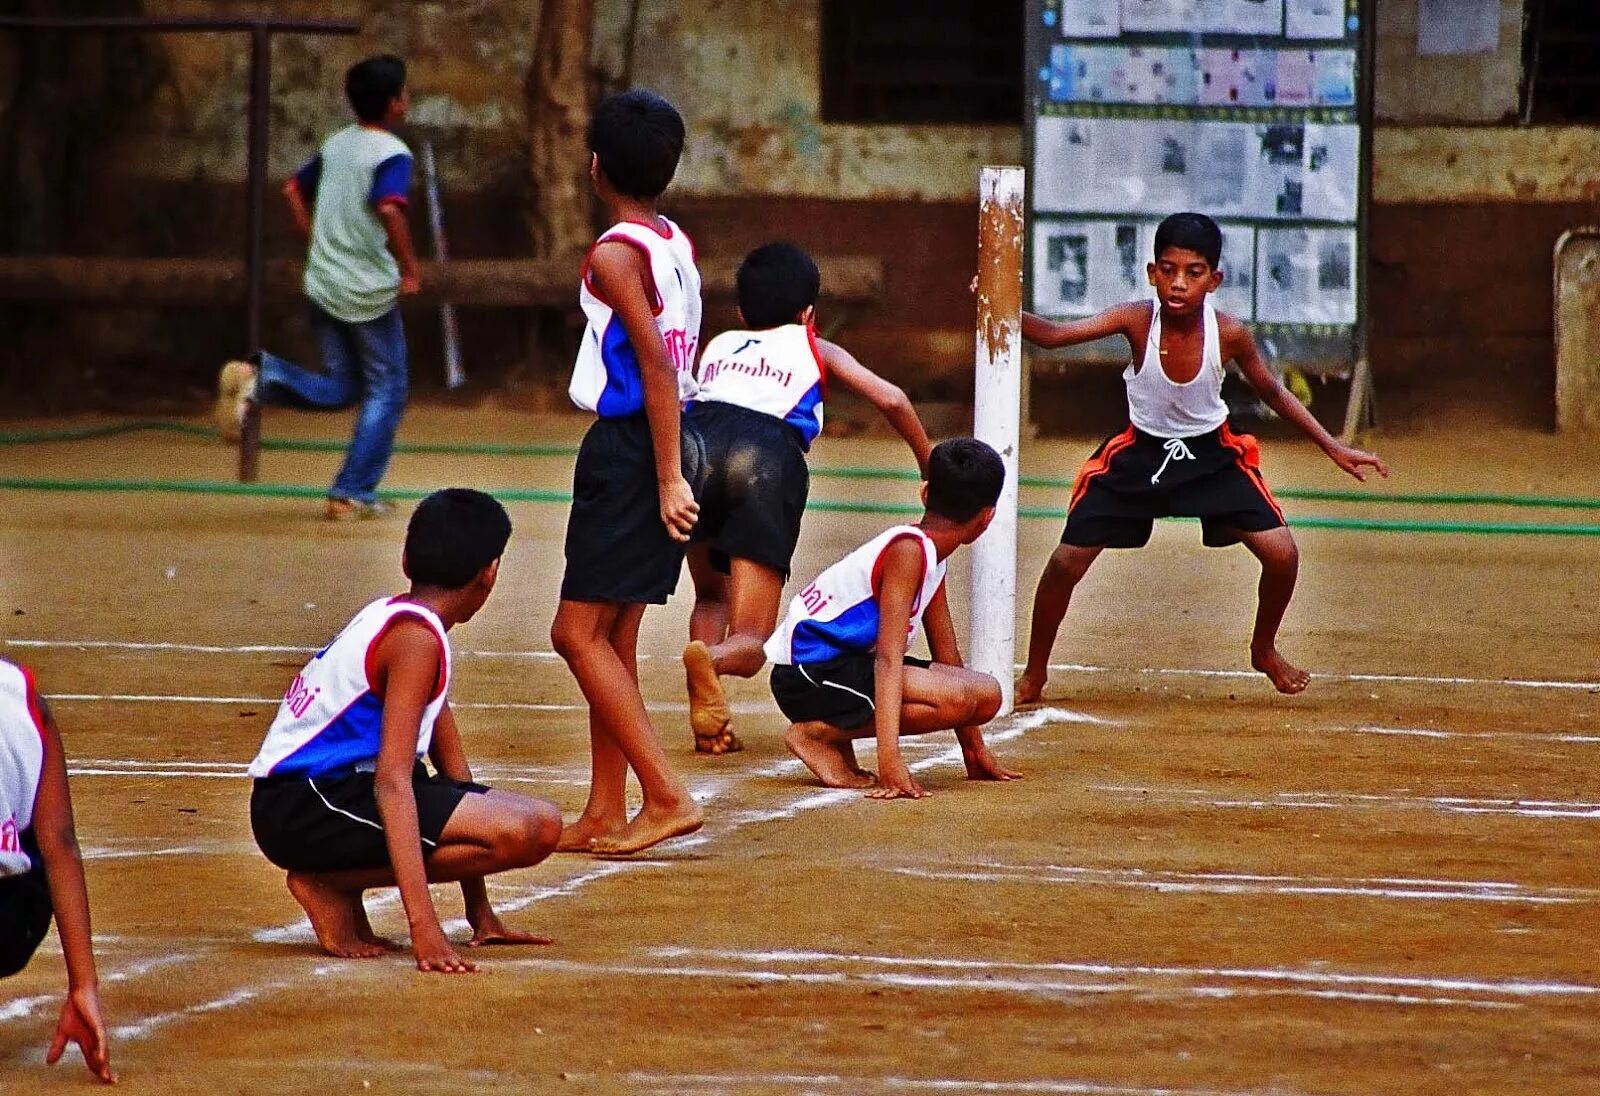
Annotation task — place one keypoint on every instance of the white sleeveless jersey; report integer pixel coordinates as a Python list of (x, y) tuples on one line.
[(330, 722), (1157, 405), (778, 371), (838, 613), (21, 762), (606, 378)]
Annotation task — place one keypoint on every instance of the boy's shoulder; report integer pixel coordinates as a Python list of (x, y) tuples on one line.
[(364, 142)]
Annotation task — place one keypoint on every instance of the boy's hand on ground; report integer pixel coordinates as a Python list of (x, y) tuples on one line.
[(436, 956), (81, 1023), (488, 929), (983, 765), (896, 782), (679, 511), (1354, 460)]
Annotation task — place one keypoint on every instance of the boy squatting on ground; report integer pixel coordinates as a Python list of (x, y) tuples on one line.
[(633, 505), (342, 801), (840, 670), (757, 409), (1179, 456), (41, 874), (350, 200)]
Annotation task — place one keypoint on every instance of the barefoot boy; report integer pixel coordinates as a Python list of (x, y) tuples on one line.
[(41, 874), (1179, 456), (840, 667), (342, 801), (758, 408), (632, 503)]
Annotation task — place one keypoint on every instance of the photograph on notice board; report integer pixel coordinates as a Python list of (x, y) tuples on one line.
[(1091, 18), (1306, 275), (1236, 296), (1314, 18)]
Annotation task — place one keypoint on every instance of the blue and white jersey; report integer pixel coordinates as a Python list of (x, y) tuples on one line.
[(331, 722), (21, 763), (778, 372), (606, 377), (838, 613)]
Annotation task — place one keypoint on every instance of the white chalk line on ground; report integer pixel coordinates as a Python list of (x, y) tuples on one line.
[(741, 708), (1237, 883), (693, 1084), (1434, 732), (545, 655), (1329, 800)]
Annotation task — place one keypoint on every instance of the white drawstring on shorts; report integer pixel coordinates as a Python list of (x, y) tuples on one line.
[(1176, 450)]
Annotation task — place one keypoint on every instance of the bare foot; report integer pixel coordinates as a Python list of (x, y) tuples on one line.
[(650, 826), (814, 744), (1286, 677), (365, 932), (576, 836), (1030, 690), (709, 715), (334, 917)]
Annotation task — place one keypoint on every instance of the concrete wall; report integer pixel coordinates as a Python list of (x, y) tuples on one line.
[(1468, 88)]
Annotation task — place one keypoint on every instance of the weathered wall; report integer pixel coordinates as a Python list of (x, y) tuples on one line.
[(1467, 88)]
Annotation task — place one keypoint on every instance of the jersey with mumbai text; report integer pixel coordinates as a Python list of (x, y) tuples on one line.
[(778, 371), (331, 722), (838, 613), (606, 378), (21, 763)]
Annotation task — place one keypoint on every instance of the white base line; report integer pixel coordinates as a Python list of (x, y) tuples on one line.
[(1322, 675), (695, 1084), (470, 706)]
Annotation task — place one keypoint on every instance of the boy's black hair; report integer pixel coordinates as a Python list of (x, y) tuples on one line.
[(638, 137), (373, 84), (964, 478), (453, 535), (776, 283), (1193, 232)]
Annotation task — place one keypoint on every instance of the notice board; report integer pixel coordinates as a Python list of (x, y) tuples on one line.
[(1251, 111)]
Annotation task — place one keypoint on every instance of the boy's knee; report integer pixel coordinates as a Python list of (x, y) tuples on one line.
[(564, 638), (986, 701), (527, 836)]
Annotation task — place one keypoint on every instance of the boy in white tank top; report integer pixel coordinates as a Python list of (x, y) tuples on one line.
[(1178, 456), (41, 874), (758, 406), (342, 800), (840, 669)]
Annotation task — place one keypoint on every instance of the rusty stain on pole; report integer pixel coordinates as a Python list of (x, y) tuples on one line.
[(997, 415)]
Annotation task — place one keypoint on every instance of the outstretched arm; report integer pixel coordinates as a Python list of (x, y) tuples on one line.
[(395, 226), (1053, 334), (1240, 345), (899, 576), (80, 1020), (890, 400), (620, 274), (404, 673), (975, 753)]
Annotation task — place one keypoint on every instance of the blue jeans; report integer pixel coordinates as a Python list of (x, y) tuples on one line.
[(359, 360)]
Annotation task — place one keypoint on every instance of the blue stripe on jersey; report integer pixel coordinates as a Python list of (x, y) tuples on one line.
[(352, 738), (624, 390), (804, 416), (854, 631)]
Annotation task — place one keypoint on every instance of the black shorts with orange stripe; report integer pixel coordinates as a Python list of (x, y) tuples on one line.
[(1135, 478)]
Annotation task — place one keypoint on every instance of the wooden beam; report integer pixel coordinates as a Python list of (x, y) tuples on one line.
[(476, 283)]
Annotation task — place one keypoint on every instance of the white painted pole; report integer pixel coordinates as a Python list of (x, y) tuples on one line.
[(996, 416)]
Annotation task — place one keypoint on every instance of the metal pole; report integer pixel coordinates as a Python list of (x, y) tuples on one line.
[(997, 401), (255, 259)]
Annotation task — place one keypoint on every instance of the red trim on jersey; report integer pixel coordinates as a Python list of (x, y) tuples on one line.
[(657, 304), (877, 566), (441, 678), (35, 712), (816, 352), (653, 227), (394, 200)]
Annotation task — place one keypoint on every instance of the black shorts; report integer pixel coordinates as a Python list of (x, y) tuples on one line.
[(332, 823), (838, 692), (618, 550), (755, 487), (1135, 477), (25, 911)]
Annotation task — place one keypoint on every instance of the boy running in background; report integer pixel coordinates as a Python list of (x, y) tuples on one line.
[(350, 201), (757, 409), (41, 874), (633, 505), (840, 666), (1179, 456), (342, 801)]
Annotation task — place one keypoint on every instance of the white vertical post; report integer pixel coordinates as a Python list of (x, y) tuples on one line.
[(997, 409)]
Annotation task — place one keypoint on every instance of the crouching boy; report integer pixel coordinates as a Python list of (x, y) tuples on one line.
[(342, 800), (840, 670)]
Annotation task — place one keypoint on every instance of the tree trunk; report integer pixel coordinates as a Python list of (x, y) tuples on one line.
[(560, 219)]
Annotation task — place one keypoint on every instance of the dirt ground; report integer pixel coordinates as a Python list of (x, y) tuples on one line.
[(1387, 885)]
